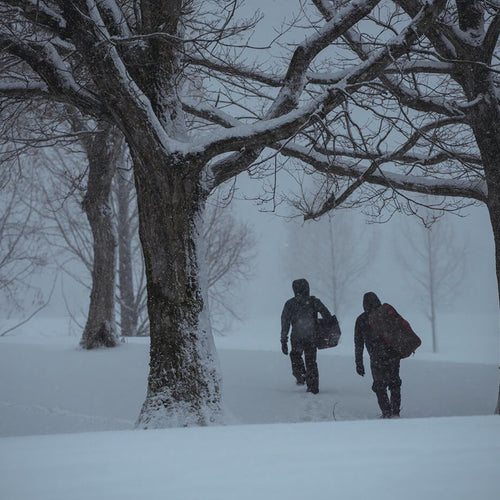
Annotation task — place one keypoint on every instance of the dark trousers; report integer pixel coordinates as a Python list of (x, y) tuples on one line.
[(385, 374), (309, 371)]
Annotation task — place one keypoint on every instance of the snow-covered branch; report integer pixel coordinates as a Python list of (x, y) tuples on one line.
[(442, 38), (112, 11), (273, 130), (404, 182), (295, 79), (48, 63), (407, 96), (40, 14)]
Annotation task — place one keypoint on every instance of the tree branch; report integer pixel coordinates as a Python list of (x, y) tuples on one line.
[(411, 183), (491, 37), (37, 13), (46, 62), (270, 131)]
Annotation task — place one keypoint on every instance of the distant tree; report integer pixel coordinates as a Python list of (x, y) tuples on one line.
[(332, 252), (103, 150), (229, 245), (131, 278), (22, 251), (76, 184), (230, 252), (434, 259)]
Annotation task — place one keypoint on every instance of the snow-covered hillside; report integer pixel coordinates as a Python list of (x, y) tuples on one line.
[(323, 446)]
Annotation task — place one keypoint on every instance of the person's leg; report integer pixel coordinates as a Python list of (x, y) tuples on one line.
[(298, 368), (379, 387), (395, 386), (312, 374)]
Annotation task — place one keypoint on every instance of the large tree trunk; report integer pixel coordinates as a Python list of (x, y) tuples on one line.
[(493, 182), (128, 305), (485, 122), (183, 384), (100, 327)]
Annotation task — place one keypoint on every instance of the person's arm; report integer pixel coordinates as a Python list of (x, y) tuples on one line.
[(322, 309), (359, 344), (285, 327)]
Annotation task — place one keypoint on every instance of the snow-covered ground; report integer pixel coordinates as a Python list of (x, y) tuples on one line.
[(66, 417)]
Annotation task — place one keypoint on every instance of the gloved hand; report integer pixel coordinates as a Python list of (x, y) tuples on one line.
[(360, 370), (284, 347)]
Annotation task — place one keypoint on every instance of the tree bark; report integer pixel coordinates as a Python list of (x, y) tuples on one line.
[(183, 383), (485, 123), (100, 327)]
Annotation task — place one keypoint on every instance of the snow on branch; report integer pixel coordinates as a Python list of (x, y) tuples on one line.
[(38, 13), (424, 66), (48, 63), (378, 160), (112, 10), (119, 77), (272, 130), (325, 8), (329, 162), (392, 180), (406, 95), (295, 79)]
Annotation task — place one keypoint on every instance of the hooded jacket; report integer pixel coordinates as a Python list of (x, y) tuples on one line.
[(364, 335), (301, 312)]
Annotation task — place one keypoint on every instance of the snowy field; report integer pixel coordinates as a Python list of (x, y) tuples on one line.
[(66, 420)]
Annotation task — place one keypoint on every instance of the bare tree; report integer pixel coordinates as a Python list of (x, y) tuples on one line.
[(22, 252), (102, 150), (77, 184), (131, 277), (125, 65), (333, 252), (230, 255), (62, 131), (435, 262)]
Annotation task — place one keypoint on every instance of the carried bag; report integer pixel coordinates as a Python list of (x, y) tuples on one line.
[(394, 330), (327, 332)]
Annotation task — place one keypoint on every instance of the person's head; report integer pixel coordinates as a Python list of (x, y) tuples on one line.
[(370, 302), (300, 287)]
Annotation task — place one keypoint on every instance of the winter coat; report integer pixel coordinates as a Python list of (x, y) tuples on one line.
[(364, 335), (301, 312)]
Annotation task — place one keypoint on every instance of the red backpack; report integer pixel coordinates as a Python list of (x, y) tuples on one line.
[(394, 330)]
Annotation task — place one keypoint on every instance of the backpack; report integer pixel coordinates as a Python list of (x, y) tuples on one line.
[(394, 330)]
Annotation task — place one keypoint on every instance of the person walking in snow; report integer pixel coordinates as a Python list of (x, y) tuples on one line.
[(384, 360), (301, 312)]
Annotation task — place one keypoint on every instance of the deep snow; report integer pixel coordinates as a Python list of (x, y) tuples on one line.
[(414, 459), (332, 444)]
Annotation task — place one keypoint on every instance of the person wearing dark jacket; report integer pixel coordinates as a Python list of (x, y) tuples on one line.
[(301, 312), (384, 361)]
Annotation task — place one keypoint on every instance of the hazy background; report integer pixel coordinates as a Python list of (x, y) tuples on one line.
[(263, 295), (271, 284)]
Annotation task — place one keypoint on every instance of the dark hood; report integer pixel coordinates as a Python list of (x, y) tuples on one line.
[(370, 302), (300, 287)]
